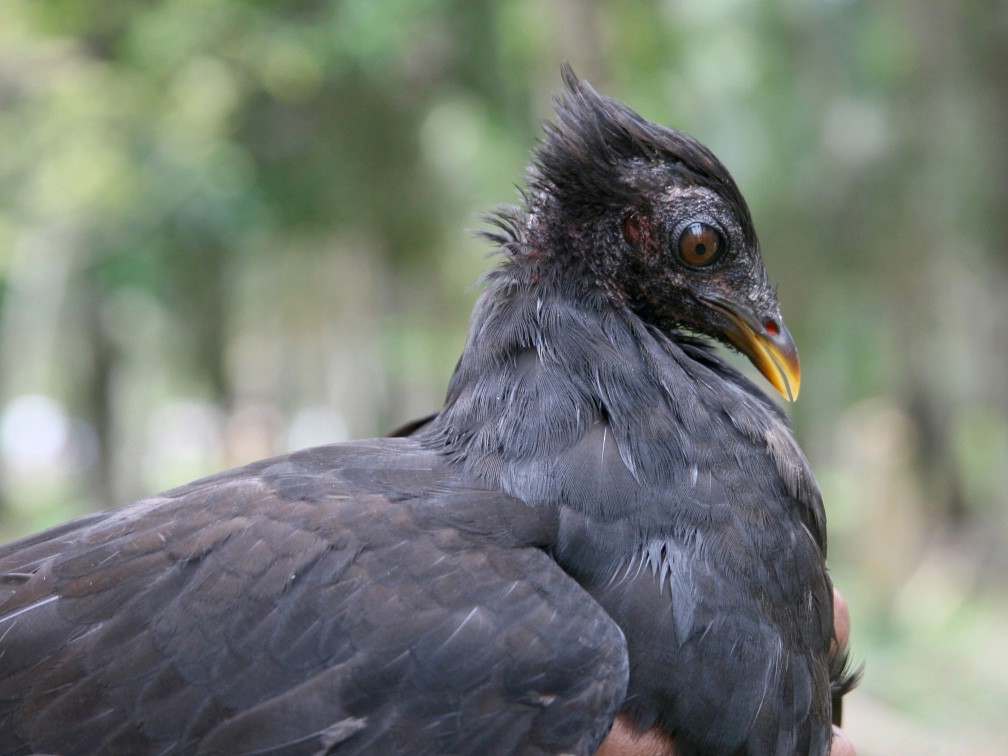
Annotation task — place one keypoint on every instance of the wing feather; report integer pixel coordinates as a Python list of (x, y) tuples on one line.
[(349, 597)]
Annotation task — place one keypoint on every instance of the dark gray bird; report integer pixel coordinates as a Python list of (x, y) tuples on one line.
[(605, 518)]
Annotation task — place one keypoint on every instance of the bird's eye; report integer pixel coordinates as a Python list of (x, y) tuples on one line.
[(700, 244)]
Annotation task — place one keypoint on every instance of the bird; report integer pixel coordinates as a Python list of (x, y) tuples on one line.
[(606, 521)]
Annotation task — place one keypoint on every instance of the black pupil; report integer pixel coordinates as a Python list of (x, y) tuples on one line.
[(700, 244)]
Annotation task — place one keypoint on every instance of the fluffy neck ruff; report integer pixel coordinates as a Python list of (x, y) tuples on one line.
[(563, 399)]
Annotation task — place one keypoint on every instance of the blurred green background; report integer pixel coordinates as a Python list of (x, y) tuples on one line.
[(229, 229)]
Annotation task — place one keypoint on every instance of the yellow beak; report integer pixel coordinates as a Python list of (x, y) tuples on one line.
[(768, 344)]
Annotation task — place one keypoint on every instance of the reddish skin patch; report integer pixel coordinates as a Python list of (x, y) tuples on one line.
[(633, 229), (637, 234)]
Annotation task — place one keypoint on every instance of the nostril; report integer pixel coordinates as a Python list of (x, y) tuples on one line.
[(771, 327)]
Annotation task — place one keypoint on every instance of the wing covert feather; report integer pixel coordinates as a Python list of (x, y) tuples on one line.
[(316, 602)]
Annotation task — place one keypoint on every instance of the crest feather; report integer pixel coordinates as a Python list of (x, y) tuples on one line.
[(599, 153)]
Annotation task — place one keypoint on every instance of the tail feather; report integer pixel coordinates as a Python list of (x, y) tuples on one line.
[(843, 679)]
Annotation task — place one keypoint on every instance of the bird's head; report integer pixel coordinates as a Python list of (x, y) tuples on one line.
[(651, 218)]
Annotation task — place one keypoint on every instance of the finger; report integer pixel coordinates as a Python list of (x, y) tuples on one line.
[(841, 745), (841, 619)]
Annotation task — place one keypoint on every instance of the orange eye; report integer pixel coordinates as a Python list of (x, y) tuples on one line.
[(700, 244)]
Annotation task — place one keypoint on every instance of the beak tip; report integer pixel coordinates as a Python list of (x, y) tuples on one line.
[(792, 380), (789, 373), (777, 359)]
